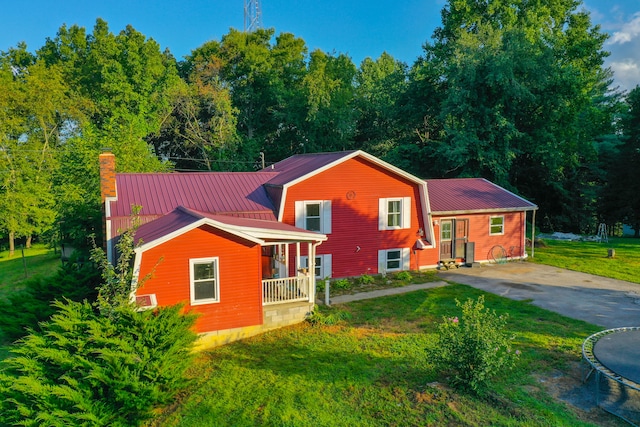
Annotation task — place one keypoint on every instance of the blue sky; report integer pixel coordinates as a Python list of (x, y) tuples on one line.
[(358, 28)]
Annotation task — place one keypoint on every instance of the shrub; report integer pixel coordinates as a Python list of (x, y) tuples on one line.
[(474, 348), (341, 284), (319, 318), (25, 309), (89, 369), (365, 279), (404, 276)]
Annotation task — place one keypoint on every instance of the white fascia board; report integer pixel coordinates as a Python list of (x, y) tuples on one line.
[(267, 233), (107, 227)]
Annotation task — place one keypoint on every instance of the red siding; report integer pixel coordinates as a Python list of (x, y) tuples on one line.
[(512, 239), (240, 277), (354, 220)]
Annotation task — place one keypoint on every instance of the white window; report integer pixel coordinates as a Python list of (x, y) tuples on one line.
[(393, 260), (322, 267), (314, 215), (394, 213), (496, 225), (205, 284)]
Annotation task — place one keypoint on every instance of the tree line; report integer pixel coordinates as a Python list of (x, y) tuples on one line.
[(514, 91)]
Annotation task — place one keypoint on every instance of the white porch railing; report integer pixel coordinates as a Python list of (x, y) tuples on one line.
[(287, 289)]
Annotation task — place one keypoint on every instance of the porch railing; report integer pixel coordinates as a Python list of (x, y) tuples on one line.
[(287, 289)]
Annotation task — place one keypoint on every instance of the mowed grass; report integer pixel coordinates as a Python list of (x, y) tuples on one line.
[(39, 260), (591, 257), (373, 370)]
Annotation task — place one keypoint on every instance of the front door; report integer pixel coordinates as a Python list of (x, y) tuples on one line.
[(453, 238)]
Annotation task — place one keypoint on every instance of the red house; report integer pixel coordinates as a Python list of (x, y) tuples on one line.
[(245, 249)]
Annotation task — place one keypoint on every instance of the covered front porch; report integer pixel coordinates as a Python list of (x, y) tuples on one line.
[(284, 278)]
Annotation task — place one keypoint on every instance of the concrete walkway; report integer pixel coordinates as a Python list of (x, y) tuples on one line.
[(384, 292), (605, 302)]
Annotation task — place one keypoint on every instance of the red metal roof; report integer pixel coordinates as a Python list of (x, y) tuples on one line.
[(297, 166), (472, 194), (182, 217), (237, 193)]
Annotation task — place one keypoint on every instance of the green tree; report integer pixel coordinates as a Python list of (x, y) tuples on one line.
[(622, 192), (380, 84), (523, 100)]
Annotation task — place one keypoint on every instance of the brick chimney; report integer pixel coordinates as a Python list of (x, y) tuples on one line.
[(107, 175)]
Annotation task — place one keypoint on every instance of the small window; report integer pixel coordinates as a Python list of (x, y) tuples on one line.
[(394, 213), (205, 286), (394, 259), (322, 267), (312, 216), (445, 230), (496, 225)]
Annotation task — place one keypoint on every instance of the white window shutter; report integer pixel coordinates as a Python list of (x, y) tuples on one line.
[(406, 212), (326, 217), (382, 214), (406, 260), (304, 261), (299, 212), (326, 265), (382, 261)]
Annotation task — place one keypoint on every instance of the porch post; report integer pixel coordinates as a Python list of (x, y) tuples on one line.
[(533, 233), (311, 252), (286, 259), (298, 266)]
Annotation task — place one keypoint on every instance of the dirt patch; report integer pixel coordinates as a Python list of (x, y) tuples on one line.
[(569, 388)]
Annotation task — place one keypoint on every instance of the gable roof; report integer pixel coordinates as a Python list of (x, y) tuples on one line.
[(182, 219), (465, 195), (231, 193), (299, 167)]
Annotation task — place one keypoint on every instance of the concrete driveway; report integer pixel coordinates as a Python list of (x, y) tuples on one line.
[(606, 302)]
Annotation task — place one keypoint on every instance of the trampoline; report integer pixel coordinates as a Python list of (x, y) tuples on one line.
[(615, 355)]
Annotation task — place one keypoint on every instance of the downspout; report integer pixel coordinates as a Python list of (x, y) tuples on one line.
[(312, 271)]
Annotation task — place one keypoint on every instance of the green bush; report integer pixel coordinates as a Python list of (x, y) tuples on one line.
[(474, 348), (341, 284), (89, 369), (404, 276), (330, 318), (25, 309), (365, 279)]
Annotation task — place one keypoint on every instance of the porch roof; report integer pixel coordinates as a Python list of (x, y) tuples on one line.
[(182, 219)]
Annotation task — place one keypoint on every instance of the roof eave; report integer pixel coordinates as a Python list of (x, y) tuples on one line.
[(480, 211)]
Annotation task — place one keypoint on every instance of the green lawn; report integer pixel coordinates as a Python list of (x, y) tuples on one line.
[(38, 260), (591, 257), (372, 371)]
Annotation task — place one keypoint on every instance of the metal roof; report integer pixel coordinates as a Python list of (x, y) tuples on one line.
[(181, 219), (472, 194), (237, 193), (297, 166)]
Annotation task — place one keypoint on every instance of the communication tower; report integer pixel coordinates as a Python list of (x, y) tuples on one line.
[(252, 15)]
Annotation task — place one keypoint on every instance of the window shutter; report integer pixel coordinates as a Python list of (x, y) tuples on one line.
[(382, 261), (406, 260), (326, 217), (382, 214), (406, 212), (299, 212), (326, 265)]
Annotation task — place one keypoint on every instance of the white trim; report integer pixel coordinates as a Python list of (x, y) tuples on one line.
[(404, 219), (107, 226), (324, 215), (192, 263)]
